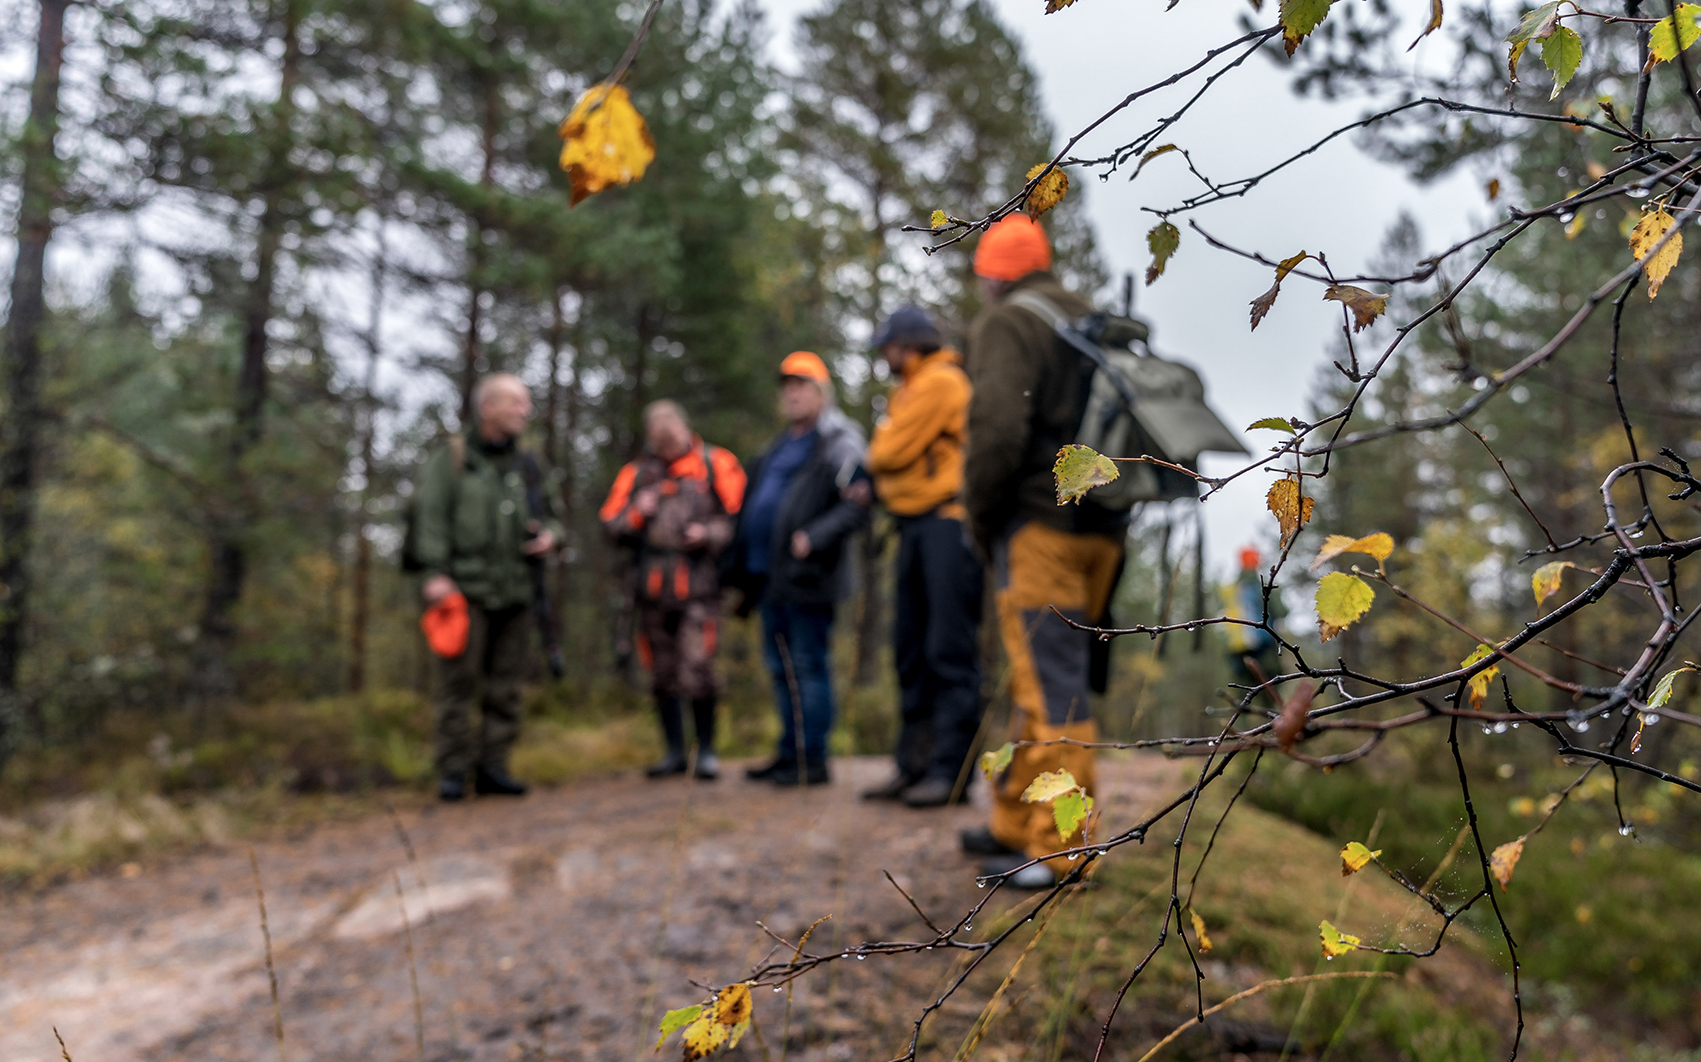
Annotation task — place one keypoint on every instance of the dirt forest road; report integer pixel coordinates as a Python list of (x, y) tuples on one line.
[(556, 927)]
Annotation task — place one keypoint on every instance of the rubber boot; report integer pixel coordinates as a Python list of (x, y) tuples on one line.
[(703, 719), (673, 732)]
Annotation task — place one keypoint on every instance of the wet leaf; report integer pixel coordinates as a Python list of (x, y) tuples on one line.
[(1355, 856), (1654, 225), (1050, 786), (1069, 811), (1341, 600), (1504, 860), (1335, 942), (1261, 305), (1545, 582), (1536, 25), (1378, 544), (1299, 18), (1435, 13), (732, 1005), (674, 1020), (1513, 57), (1048, 192), (703, 1036), (1291, 508), (1477, 687), (1199, 933), (1274, 424), (939, 219), (1667, 38), (993, 764), (1162, 241), (604, 142), (1079, 469), (1290, 722), (1366, 306), (1561, 54), (1663, 688)]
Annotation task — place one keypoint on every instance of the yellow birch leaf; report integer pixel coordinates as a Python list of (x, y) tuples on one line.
[(732, 1005), (1341, 599), (1291, 508), (1493, 189), (993, 764), (1199, 933), (1478, 685), (1504, 860), (1048, 192), (1645, 236), (1299, 18), (939, 219), (1079, 469), (1354, 857), (1545, 582), (1513, 57), (1335, 942), (1261, 305), (1162, 241), (1435, 13), (703, 1036), (674, 1020), (1049, 786), (1366, 306), (1379, 545), (604, 141), (1667, 38), (1069, 811)]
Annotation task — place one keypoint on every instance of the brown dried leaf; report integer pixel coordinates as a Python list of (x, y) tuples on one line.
[(1366, 306), (1290, 724), (1261, 305), (1504, 860)]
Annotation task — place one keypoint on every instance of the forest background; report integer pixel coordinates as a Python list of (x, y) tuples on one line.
[(301, 228)]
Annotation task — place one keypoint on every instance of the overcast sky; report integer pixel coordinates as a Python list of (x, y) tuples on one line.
[(1340, 202)]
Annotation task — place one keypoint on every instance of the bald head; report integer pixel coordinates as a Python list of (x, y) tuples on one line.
[(667, 430), (504, 406)]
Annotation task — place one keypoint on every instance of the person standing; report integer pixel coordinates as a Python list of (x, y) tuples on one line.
[(788, 556), (472, 537), (1253, 652), (1047, 559), (916, 459), (673, 508)]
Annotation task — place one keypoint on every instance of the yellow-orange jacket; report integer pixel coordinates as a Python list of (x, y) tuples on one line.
[(916, 455)]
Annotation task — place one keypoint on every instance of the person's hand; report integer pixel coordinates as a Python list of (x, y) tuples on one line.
[(539, 544), (800, 544), (437, 588), (859, 493), (646, 501), (695, 535)]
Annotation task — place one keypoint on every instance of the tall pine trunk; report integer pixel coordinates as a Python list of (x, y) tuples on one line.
[(228, 528), (475, 267), (21, 427), (366, 419)]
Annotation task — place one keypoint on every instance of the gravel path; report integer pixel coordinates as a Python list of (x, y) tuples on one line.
[(555, 927)]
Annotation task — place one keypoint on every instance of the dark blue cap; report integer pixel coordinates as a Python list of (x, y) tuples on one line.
[(910, 326)]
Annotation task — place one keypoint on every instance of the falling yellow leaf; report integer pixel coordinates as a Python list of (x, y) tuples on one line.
[(1199, 933), (1261, 305), (1335, 942), (1079, 469), (605, 141), (1504, 860), (1291, 508), (1048, 192), (1354, 857), (939, 219), (1341, 599), (1648, 232), (1378, 545), (1545, 582), (1366, 306), (1049, 786), (1477, 688), (993, 764)]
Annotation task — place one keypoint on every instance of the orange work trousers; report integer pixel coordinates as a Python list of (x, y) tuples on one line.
[(1039, 568)]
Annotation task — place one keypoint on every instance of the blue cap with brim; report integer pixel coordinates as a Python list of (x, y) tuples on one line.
[(910, 326)]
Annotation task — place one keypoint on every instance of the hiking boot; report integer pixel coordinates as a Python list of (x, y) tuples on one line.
[(978, 840), (1033, 878), (892, 789), (814, 773), (451, 788), (708, 765), (765, 772), (497, 783), (929, 793), (672, 763)]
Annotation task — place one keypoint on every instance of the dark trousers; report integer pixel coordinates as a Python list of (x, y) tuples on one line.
[(797, 643), (936, 646), (495, 658)]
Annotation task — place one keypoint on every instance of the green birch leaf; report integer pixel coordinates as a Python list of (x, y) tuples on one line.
[(993, 764), (1079, 469), (1299, 18), (1662, 689), (1668, 39), (1162, 241), (1069, 811), (674, 1020), (1562, 53), (1274, 424), (1536, 25)]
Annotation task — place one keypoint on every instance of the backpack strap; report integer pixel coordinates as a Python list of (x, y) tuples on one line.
[(1047, 311)]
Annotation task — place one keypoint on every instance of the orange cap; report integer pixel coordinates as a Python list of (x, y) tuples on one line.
[(805, 364), (1012, 248), (1249, 557), (446, 625)]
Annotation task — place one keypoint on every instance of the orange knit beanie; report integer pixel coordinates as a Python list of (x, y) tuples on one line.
[(1012, 248)]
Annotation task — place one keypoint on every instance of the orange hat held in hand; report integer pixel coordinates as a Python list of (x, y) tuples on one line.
[(446, 625), (1012, 248)]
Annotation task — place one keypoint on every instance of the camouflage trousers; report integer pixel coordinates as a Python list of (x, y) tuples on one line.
[(677, 646)]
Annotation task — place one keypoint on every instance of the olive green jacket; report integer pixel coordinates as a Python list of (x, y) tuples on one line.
[(471, 522)]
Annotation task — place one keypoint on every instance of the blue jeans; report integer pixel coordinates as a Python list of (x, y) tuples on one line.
[(806, 634)]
